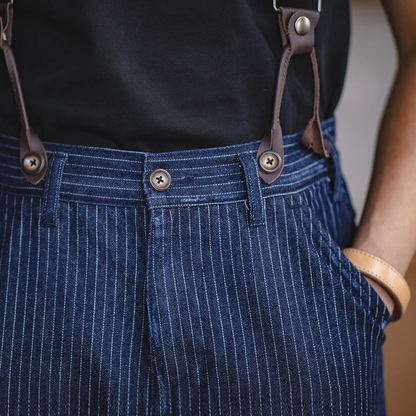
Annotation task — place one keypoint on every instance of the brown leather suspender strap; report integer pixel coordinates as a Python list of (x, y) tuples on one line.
[(297, 28), (33, 157), (312, 137)]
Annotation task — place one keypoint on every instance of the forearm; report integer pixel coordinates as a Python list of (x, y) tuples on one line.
[(388, 225)]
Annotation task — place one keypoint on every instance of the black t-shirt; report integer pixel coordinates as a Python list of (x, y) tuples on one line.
[(159, 75)]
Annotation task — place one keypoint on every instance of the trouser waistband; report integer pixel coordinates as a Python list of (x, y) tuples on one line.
[(202, 176)]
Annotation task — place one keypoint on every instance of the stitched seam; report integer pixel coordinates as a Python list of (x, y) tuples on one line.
[(374, 258), (285, 69)]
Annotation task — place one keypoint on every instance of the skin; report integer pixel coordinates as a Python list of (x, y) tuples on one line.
[(388, 224)]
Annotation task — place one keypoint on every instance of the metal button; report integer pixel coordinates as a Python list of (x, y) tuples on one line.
[(160, 180), (32, 163), (302, 25), (270, 161)]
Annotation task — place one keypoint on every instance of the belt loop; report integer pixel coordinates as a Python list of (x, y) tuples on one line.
[(255, 197), (50, 202)]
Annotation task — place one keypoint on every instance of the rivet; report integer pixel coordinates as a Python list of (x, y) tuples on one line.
[(302, 25)]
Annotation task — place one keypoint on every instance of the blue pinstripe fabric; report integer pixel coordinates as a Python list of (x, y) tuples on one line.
[(136, 302)]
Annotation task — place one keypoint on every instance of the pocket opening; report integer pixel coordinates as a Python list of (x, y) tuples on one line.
[(327, 238)]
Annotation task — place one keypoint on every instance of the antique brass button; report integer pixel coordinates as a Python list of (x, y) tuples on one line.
[(32, 163), (270, 161), (302, 25), (160, 180)]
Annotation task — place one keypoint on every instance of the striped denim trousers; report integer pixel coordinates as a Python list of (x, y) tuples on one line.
[(219, 296)]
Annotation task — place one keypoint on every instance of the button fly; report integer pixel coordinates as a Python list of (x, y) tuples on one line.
[(160, 180)]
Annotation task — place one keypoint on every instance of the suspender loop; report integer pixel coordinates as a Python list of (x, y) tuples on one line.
[(297, 29)]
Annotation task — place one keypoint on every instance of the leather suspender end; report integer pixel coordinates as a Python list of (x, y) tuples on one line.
[(297, 29), (33, 157)]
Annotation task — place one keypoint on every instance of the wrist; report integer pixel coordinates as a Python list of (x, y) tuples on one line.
[(385, 245)]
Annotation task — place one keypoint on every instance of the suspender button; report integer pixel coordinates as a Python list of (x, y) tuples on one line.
[(32, 163), (270, 161)]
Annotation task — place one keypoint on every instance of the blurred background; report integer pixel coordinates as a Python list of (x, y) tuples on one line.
[(371, 71)]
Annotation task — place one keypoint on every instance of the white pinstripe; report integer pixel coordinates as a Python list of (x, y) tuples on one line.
[(338, 327), (114, 311), (54, 311), (87, 258), (377, 364), (15, 304), (249, 307), (120, 372), (94, 308), (64, 310), (148, 390), (327, 315), (209, 315), (198, 378), (6, 216), (371, 349), (306, 308), (351, 354), (43, 322), (366, 360), (34, 321), (239, 307), (104, 312), (358, 347), (211, 255), (25, 303), (75, 307), (253, 269), (169, 317), (179, 316), (266, 284), (140, 353), (144, 216), (87, 185), (229, 309), (133, 325), (288, 302), (198, 306), (315, 306)]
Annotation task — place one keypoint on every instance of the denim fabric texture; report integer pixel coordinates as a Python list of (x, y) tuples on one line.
[(219, 296)]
